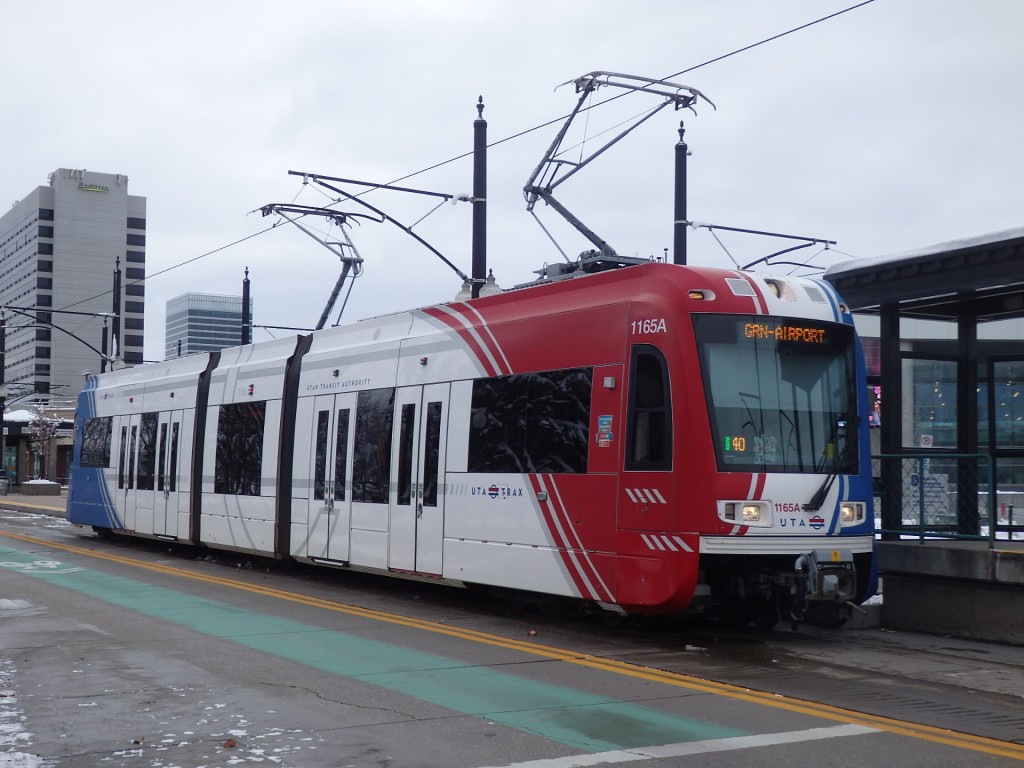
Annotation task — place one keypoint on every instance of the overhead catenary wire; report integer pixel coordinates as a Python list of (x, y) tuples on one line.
[(504, 140)]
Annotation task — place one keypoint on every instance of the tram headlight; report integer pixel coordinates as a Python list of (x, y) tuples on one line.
[(752, 513), (851, 512)]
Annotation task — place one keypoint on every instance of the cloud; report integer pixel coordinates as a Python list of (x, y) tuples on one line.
[(885, 128)]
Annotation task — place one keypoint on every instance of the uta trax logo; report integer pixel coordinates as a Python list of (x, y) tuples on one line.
[(495, 491)]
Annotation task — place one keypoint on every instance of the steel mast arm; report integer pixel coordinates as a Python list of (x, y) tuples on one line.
[(322, 181)]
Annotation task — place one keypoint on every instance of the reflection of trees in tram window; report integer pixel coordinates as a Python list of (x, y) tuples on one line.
[(531, 422), (239, 463), (371, 463), (96, 434)]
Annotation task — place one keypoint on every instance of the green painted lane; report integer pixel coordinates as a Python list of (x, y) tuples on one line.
[(576, 719)]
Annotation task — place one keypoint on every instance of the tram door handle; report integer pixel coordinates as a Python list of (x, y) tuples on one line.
[(418, 490)]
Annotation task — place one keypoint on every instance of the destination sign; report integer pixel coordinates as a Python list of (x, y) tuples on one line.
[(801, 334)]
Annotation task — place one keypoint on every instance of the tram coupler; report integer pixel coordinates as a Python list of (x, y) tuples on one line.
[(823, 577)]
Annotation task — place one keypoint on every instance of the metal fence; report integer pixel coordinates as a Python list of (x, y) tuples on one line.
[(944, 496)]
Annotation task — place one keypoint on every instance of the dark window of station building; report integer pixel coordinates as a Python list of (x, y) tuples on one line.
[(44, 265), (135, 273), (371, 464), (132, 358), (46, 214), (133, 323), (43, 334), (44, 249), (135, 239), (45, 283), (46, 231), (137, 307), (138, 289), (649, 421), (135, 223), (135, 257), (531, 422), (43, 353), (96, 434), (44, 300), (238, 467)]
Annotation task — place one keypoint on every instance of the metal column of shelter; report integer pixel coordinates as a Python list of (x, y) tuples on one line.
[(964, 283)]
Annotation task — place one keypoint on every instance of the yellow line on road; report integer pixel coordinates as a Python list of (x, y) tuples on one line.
[(776, 701)]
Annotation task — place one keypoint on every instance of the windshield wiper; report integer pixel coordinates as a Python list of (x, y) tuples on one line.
[(838, 460)]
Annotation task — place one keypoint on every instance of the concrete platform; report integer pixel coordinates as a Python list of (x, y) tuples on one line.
[(956, 588)]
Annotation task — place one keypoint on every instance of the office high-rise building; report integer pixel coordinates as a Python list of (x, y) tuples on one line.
[(59, 248), (203, 322)]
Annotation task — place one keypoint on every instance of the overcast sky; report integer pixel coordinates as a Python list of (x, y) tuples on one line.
[(893, 126)]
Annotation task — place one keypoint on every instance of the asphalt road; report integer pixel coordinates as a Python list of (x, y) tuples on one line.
[(117, 653)]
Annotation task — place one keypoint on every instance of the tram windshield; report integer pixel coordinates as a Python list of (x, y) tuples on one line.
[(781, 393)]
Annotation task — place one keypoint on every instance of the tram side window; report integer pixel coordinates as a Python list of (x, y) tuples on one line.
[(431, 457), (531, 422), (147, 450), (371, 463), (649, 426), (161, 476), (320, 459), (131, 457), (239, 463), (405, 450), (121, 457), (172, 470), (341, 456), (96, 436)]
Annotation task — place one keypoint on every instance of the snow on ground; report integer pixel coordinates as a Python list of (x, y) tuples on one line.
[(14, 738)]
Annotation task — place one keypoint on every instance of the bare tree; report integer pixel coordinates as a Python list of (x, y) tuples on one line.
[(43, 430)]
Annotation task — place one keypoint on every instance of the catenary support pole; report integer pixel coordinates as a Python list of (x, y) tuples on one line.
[(479, 270), (246, 318), (116, 349), (679, 231)]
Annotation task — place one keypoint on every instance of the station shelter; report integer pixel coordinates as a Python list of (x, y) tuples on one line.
[(943, 329), (33, 454)]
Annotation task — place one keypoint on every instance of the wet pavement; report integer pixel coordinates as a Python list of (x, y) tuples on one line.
[(180, 698)]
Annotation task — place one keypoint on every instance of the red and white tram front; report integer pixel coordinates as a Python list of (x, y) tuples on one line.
[(793, 528)]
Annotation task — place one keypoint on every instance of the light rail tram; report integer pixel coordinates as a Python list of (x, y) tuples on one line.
[(645, 440)]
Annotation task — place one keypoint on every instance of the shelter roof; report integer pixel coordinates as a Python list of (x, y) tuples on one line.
[(981, 276)]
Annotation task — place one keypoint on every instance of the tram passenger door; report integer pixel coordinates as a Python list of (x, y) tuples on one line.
[(137, 470), (417, 478), (128, 446), (329, 502), (168, 481)]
